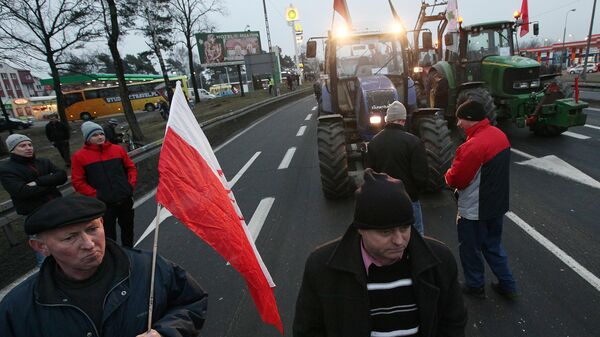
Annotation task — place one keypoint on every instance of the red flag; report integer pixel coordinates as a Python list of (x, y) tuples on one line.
[(341, 7), (525, 18), (193, 188)]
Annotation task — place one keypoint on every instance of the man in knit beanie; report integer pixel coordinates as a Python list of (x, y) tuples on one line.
[(351, 285), (401, 155), (103, 170), (30, 181)]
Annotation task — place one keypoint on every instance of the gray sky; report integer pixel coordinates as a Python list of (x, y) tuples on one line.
[(315, 17)]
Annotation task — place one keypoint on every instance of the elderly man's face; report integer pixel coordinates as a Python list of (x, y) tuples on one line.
[(386, 245), (78, 249)]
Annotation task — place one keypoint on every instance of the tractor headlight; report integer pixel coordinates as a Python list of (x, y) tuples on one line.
[(520, 85), (535, 84), (375, 119)]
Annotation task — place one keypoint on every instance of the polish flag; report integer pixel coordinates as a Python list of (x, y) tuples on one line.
[(341, 7), (194, 190), (525, 18)]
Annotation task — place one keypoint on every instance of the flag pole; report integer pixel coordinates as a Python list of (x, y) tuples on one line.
[(154, 253)]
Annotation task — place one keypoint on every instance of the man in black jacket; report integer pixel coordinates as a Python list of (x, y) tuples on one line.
[(30, 181), (58, 133), (378, 279), (89, 286), (401, 155)]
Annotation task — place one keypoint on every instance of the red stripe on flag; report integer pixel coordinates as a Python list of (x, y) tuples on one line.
[(525, 18), (190, 190), (341, 7)]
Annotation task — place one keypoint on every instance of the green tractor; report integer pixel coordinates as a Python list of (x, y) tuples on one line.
[(483, 66)]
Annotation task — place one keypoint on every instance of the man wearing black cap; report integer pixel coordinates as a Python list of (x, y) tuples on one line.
[(378, 279), (480, 173), (89, 286)]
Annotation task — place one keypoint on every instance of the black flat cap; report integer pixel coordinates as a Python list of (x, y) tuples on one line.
[(65, 211)]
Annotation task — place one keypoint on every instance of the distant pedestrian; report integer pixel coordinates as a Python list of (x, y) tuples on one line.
[(480, 173), (30, 181), (58, 133), (401, 155), (105, 171), (379, 279), (271, 86), (290, 82), (111, 133)]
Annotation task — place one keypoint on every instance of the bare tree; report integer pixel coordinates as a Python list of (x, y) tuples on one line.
[(191, 16), (45, 31)]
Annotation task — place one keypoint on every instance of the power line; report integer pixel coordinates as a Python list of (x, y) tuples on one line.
[(557, 8)]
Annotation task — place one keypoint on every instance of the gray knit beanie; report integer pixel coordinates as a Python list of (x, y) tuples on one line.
[(13, 140), (89, 129), (396, 111)]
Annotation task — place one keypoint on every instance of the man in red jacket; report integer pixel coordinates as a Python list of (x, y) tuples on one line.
[(480, 173), (105, 171)]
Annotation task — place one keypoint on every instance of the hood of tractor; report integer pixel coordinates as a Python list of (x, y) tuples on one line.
[(510, 62)]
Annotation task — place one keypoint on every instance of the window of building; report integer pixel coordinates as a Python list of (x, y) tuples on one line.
[(4, 76), (13, 76)]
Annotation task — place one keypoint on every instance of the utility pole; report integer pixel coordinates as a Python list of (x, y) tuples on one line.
[(274, 68), (589, 40), (562, 58)]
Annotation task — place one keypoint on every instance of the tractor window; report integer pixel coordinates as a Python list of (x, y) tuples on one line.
[(486, 42), (365, 57)]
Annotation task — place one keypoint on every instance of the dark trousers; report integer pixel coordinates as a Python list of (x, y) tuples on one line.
[(63, 148), (123, 212), (479, 239)]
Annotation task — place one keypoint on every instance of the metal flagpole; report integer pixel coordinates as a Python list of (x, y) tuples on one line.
[(154, 253)]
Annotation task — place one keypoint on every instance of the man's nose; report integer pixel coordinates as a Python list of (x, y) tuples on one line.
[(397, 237), (87, 241)]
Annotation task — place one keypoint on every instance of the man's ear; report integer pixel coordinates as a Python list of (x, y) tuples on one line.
[(39, 246)]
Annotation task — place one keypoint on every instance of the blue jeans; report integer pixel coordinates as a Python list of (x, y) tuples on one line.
[(483, 237), (418, 217)]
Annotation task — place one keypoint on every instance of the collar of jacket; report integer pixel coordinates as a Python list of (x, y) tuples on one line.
[(98, 147), (395, 126), (21, 159), (475, 128), (347, 257), (46, 291)]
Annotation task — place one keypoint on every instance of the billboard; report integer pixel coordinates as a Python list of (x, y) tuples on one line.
[(223, 49)]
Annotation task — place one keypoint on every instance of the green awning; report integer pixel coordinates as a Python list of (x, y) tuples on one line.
[(84, 78)]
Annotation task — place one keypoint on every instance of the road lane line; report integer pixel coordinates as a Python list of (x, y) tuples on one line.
[(313, 108), (260, 215), (10, 287), (243, 169), (593, 109), (301, 131), (287, 158), (592, 126), (575, 135), (308, 117), (559, 253), (521, 153)]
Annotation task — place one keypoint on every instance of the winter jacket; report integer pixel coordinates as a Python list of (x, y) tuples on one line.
[(18, 171), (37, 308), (402, 156), (57, 131), (480, 172), (103, 171), (334, 301)]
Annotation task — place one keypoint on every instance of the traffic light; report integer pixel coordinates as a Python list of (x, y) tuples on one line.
[(291, 13)]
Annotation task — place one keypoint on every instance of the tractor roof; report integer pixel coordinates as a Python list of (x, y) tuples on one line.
[(491, 24)]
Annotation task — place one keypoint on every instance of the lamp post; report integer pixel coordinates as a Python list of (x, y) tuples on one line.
[(562, 57)]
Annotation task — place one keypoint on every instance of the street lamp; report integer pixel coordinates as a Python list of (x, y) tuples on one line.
[(562, 58)]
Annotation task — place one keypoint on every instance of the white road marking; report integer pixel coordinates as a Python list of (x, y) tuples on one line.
[(559, 253), (521, 153), (10, 287), (559, 167), (308, 117), (575, 135), (592, 126), (593, 109), (260, 215), (301, 131), (145, 198), (313, 108), (287, 158), (243, 170)]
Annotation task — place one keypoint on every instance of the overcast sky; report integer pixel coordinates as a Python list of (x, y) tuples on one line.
[(316, 16)]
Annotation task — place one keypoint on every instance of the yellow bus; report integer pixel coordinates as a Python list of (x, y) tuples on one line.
[(90, 103)]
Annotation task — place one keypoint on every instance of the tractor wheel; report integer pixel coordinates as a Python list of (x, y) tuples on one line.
[(434, 134), (483, 96), (548, 130), (333, 160)]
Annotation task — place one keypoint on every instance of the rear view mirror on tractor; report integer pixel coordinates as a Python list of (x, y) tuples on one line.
[(536, 29), (448, 39), (311, 49), (427, 40)]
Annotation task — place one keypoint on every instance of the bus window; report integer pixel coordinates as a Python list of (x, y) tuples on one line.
[(91, 94), (73, 98)]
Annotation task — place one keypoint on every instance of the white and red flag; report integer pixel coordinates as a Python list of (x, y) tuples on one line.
[(525, 18), (194, 190)]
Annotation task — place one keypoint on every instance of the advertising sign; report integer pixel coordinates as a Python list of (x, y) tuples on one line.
[(223, 49)]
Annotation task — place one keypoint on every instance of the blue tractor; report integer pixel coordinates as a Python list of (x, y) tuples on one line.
[(363, 74)]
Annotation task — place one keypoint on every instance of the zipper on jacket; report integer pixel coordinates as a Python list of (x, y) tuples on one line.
[(75, 307)]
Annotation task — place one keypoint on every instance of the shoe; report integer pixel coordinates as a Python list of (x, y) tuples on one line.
[(507, 294), (474, 292)]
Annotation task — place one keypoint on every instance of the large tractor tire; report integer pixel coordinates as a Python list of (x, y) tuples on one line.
[(434, 133), (333, 160), (481, 95)]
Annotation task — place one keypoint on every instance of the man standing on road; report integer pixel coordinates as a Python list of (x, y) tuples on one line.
[(480, 173), (378, 279), (110, 133), (89, 286), (105, 171), (401, 155), (58, 133), (30, 181)]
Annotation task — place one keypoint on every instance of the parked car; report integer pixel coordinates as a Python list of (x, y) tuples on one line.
[(204, 95), (578, 69), (15, 123)]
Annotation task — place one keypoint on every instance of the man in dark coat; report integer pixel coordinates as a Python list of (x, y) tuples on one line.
[(58, 133), (401, 155), (353, 286), (111, 133), (89, 286)]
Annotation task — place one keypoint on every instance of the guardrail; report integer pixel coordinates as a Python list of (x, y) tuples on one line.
[(8, 214)]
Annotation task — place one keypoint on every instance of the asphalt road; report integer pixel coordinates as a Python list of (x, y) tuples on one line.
[(558, 280)]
